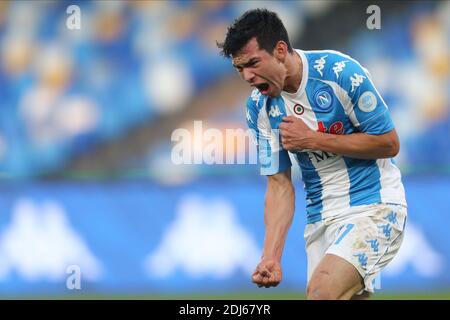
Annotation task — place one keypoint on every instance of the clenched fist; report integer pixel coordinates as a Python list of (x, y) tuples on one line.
[(267, 273), (295, 134)]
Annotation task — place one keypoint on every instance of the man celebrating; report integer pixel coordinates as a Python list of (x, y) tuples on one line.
[(321, 109)]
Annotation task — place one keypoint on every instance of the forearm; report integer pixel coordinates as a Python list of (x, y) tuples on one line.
[(278, 215), (357, 145)]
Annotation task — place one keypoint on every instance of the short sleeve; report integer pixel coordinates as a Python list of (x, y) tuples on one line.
[(370, 113), (272, 158)]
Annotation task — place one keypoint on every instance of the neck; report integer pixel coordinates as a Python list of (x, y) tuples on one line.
[(294, 67)]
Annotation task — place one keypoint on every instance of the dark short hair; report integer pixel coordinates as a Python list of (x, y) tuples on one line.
[(263, 24)]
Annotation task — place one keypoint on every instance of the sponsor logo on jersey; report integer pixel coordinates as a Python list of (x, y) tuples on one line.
[(256, 95), (323, 99), (275, 111), (356, 80), (299, 109), (338, 67), (320, 64), (367, 102), (319, 156), (337, 128), (249, 118)]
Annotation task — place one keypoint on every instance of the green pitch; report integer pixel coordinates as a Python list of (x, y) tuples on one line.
[(423, 295)]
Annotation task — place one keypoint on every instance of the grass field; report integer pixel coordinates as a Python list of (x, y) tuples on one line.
[(237, 296)]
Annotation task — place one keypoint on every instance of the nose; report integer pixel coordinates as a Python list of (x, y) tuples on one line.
[(247, 75)]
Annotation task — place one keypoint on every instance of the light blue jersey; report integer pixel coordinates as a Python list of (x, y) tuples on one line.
[(336, 96)]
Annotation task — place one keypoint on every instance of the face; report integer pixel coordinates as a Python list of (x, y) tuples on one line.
[(261, 69)]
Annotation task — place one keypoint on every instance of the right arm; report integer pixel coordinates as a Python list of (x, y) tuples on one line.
[(279, 201), (278, 215)]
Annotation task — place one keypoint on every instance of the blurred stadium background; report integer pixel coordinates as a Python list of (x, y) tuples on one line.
[(86, 117)]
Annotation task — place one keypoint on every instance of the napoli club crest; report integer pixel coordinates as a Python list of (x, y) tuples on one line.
[(323, 99)]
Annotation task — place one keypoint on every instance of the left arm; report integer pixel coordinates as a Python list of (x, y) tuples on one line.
[(296, 136)]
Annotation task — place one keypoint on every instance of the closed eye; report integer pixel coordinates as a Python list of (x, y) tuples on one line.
[(251, 63)]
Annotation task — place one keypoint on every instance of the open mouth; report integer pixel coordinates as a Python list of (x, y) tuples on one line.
[(263, 87)]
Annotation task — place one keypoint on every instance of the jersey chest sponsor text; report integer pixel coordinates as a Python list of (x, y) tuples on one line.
[(317, 157)]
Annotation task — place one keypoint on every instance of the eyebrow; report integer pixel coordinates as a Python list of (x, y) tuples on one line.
[(246, 64)]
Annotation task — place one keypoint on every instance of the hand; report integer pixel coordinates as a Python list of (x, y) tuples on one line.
[(295, 134), (267, 273)]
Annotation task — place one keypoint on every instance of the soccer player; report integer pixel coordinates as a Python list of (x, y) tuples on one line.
[(321, 109)]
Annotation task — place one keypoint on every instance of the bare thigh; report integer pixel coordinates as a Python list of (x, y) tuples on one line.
[(334, 278)]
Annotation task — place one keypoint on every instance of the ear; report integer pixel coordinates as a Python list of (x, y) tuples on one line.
[(280, 51)]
